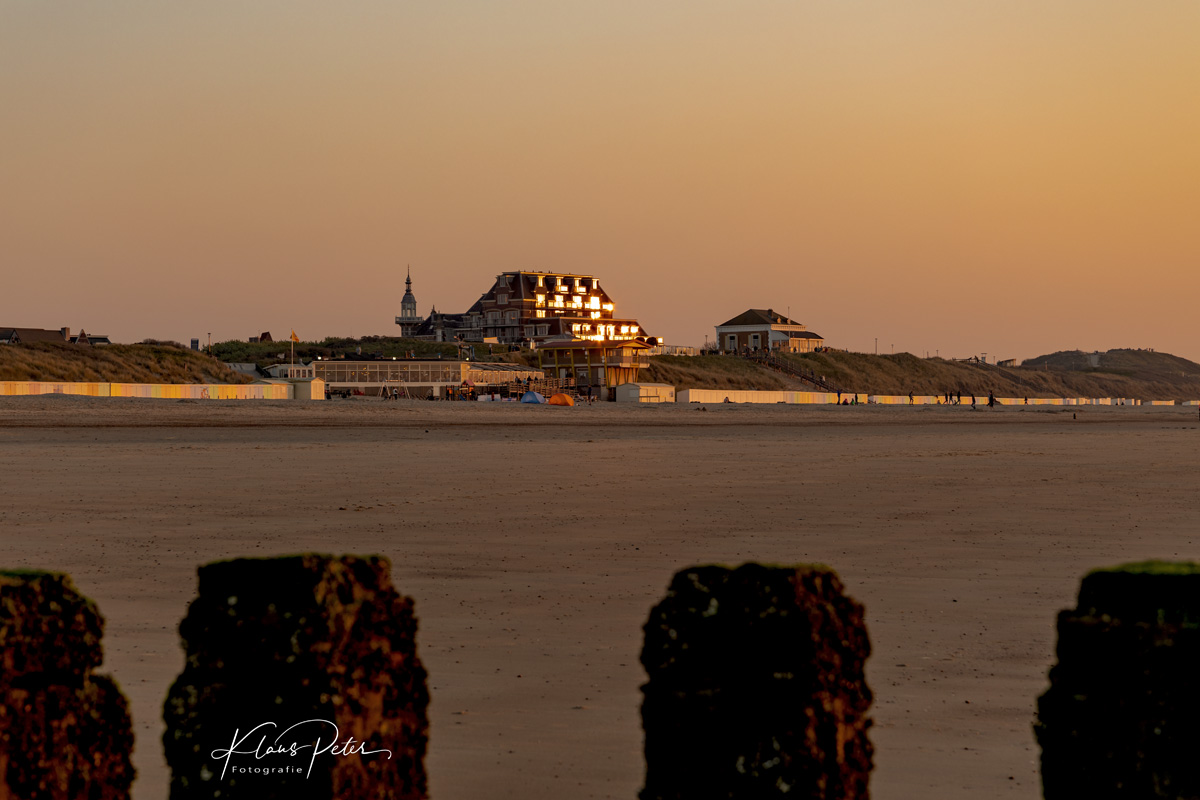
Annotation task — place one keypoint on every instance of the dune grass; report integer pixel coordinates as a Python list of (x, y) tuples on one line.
[(716, 372), (116, 363), (1153, 376), (903, 373)]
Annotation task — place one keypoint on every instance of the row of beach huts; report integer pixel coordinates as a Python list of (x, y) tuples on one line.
[(313, 389)]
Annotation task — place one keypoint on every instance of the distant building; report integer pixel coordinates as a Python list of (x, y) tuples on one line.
[(523, 307), (604, 364), (244, 368), (31, 335), (418, 379), (408, 320), (94, 339), (439, 327), (766, 329), (296, 371), (265, 336)]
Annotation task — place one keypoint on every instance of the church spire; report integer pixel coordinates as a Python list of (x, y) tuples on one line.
[(408, 319)]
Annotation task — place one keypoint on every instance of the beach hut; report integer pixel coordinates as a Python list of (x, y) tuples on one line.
[(532, 397), (561, 399), (645, 393)]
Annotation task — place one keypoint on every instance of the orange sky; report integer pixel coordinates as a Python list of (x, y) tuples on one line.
[(1004, 177)]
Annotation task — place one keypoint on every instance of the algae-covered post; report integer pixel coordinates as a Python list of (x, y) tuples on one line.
[(302, 680), (756, 686), (1119, 718), (64, 732)]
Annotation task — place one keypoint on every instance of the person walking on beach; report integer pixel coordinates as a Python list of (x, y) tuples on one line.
[(972, 401), (991, 399), (910, 398), (959, 401)]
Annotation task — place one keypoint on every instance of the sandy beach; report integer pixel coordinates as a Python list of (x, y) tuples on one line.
[(534, 541)]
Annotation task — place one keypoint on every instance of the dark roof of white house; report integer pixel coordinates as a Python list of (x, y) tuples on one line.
[(759, 316)]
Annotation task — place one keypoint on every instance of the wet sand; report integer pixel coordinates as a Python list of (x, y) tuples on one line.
[(535, 540)]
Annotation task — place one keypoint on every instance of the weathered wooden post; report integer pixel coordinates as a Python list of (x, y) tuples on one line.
[(1120, 716), (65, 733), (756, 687), (302, 680)]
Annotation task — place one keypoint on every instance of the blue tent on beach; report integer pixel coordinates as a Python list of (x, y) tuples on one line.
[(532, 397)]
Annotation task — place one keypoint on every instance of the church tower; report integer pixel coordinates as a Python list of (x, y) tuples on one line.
[(408, 319)]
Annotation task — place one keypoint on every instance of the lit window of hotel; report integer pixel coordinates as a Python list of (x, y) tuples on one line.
[(540, 314), (595, 315), (624, 329), (608, 306), (541, 280), (557, 302), (593, 302), (576, 301), (633, 328), (540, 300)]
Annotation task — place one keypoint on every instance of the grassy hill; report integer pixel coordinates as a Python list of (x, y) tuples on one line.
[(716, 372), (1145, 365), (1141, 374), (114, 363), (1121, 373)]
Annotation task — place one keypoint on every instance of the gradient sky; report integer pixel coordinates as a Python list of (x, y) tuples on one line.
[(1010, 177)]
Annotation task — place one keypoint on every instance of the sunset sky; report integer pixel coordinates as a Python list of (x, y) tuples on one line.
[(1012, 177)]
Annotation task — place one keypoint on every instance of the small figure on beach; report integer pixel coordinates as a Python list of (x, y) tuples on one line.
[(991, 399), (910, 398)]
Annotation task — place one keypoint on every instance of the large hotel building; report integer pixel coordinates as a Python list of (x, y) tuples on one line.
[(530, 307)]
